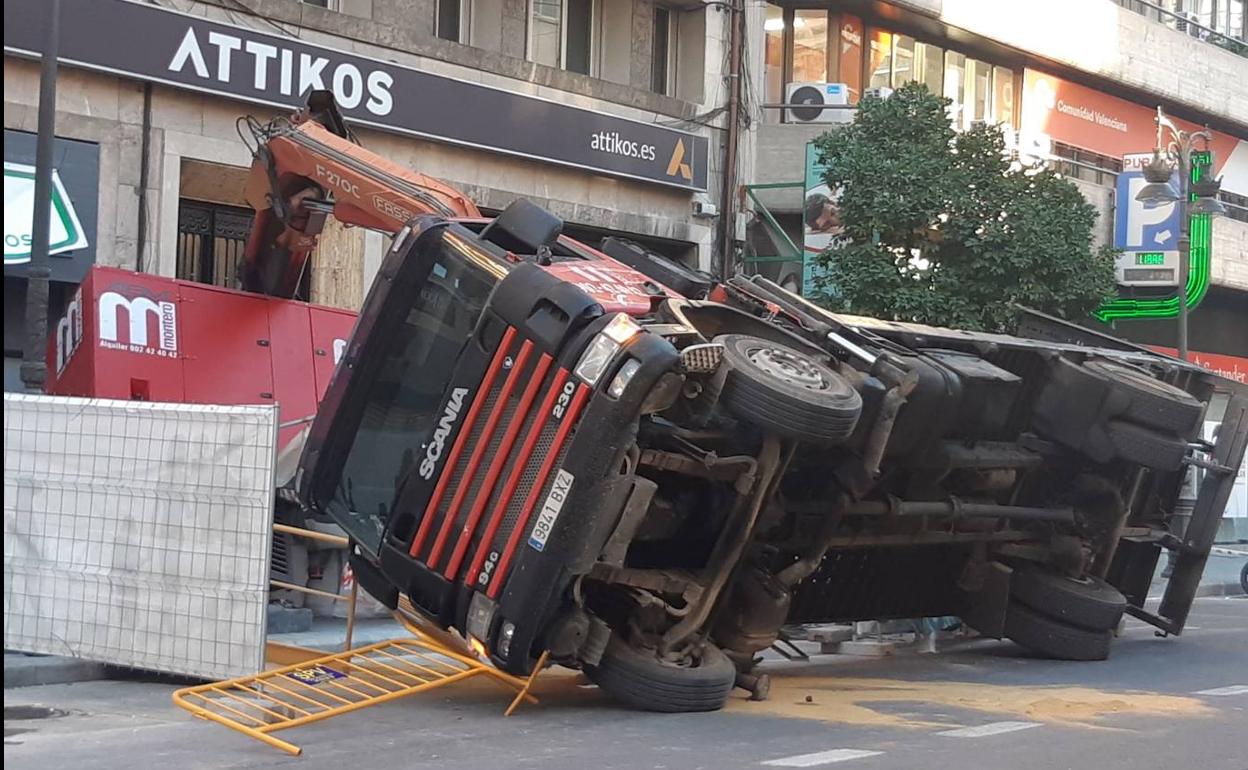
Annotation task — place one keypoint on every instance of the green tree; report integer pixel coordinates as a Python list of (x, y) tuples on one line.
[(941, 227)]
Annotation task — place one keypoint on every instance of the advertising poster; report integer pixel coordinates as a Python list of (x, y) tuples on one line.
[(821, 220)]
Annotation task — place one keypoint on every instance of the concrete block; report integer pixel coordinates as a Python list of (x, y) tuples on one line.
[(86, 93), (177, 110), (29, 670), (130, 103), (130, 153), (863, 647), (288, 620), (21, 81)]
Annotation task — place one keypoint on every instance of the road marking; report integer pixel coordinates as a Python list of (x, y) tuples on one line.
[(992, 728), (1234, 689), (821, 758)]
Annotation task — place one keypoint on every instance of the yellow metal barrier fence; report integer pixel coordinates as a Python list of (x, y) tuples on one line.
[(314, 686)]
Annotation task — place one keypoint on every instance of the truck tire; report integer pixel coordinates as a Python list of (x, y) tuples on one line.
[(1243, 578), (1145, 400), (782, 390), (1053, 638), (1089, 603), (639, 679), (1144, 446)]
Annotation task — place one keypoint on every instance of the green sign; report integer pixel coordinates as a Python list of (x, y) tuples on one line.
[(19, 214), (1200, 229), (1150, 258)]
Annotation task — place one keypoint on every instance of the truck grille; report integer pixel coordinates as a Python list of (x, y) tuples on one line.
[(515, 434)]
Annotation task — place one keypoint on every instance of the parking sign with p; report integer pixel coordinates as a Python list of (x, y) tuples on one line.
[(1139, 226)]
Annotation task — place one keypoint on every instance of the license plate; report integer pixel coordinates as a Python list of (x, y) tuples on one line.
[(550, 510)]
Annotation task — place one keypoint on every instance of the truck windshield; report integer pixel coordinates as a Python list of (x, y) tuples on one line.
[(400, 402)]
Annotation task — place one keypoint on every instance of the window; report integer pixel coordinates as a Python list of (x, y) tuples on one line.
[(773, 54), (545, 31), (1236, 205), (810, 46), (663, 51), (399, 401), (329, 4), (929, 64), (560, 33), (903, 61), (211, 240), (955, 84), (1078, 163), (1003, 95), (879, 65), (849, 64), (453, 21), (980, 88)]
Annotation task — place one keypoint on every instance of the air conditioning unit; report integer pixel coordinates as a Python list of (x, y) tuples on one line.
[(814, 97), (881, 92)]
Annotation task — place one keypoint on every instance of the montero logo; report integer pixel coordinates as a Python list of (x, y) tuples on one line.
[(438, 443), (69, 332), (139, 311)]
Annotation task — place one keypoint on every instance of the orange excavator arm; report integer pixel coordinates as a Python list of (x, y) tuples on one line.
[(310, 167)]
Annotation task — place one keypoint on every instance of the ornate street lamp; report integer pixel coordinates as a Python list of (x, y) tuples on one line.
[(1177, 152)]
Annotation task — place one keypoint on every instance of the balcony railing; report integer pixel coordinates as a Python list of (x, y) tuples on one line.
[(1231, 36)]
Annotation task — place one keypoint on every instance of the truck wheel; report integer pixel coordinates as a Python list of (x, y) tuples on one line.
[(1053, 638), (1243, 578), (785, 391), (1144, 446), (1089, 603), (638, 678)]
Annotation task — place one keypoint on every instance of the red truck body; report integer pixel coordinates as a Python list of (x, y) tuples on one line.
[(135, 336)]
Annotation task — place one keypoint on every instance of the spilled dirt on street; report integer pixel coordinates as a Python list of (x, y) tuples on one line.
[(884, 702)]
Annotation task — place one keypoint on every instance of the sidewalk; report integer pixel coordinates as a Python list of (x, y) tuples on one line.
[(1221, 577)]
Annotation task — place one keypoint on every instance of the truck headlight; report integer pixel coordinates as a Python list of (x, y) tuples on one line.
[(597, 357), (480, 614), (623, 377)]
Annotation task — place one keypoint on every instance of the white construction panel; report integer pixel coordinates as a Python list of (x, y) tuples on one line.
[(138, 533)]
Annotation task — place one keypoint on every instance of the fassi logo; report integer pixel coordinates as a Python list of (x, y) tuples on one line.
[(138, 313), (294, 75)]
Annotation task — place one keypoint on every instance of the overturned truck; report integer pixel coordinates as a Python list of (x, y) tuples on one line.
[(603, 455), (650, 495)]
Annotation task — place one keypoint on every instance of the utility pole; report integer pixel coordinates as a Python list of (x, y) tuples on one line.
[(34, 368), (728, 202), (1192, 197), (1185, 243)]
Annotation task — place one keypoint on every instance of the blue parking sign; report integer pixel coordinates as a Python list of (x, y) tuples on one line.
[(1141, 227)]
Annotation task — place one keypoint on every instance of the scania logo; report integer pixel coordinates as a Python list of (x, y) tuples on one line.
[(433, 452)]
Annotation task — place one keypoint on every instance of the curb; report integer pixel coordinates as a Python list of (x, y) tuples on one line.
[(1220, 589)]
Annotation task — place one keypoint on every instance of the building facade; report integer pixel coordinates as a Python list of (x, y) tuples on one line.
[(603, 111), (1076, 83)]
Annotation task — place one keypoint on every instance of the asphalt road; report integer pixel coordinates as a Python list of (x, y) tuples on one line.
[(1170, 704)]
